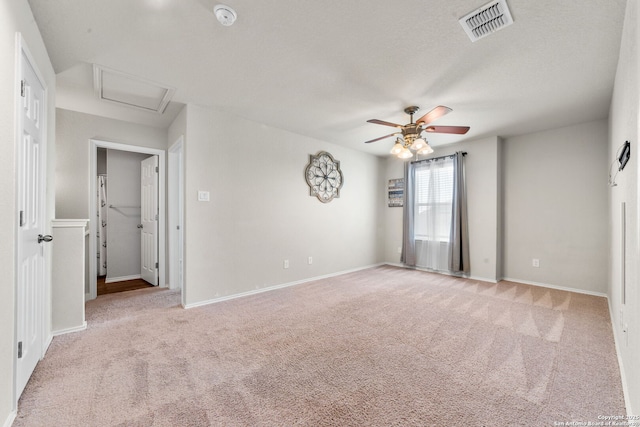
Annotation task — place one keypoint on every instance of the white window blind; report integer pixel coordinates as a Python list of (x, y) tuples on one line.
[(434, 200)]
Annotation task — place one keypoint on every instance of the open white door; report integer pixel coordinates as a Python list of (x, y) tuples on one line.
[(149, 213), (31, 141)]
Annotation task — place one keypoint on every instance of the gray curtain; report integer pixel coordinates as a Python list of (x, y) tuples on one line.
[(459, 238), (408, 256)]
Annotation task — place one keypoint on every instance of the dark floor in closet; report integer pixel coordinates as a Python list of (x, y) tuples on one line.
[(126, 285)]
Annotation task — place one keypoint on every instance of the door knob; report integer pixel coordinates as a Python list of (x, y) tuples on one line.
[(45, 238), (140, 225)]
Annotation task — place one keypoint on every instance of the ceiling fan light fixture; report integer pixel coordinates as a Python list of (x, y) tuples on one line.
[(409, 140), (405, 153), (418, 144), (397, 148), (426, 149)]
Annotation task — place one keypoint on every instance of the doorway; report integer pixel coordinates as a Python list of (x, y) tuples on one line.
[(126, 232), (126, 211)]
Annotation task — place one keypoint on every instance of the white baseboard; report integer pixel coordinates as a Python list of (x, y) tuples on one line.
[(122, 278), (623, 376), (274, 287), (480, 279), (285, 285), (47, 343), (70, 330), (508, 279), (483, 279), (560, 288), (10, 419), (395, 264)]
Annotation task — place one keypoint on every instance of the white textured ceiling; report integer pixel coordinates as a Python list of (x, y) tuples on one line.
[(322, 68)]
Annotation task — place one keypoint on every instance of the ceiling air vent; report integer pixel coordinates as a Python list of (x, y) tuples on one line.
[(490, 18)]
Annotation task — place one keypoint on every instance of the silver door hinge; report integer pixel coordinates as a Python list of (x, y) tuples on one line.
[(157, 170), (22, 84), (157, 265), (156, 217), (21, 218), (20, 350)]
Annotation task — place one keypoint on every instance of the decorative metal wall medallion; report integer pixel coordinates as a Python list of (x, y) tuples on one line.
[(323, 176)]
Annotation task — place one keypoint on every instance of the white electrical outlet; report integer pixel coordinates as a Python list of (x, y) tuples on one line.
[(203, 196), (285, 264), (535, 262), (310, 260)]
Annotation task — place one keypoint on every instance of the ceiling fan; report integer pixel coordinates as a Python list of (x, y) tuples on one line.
[(409, 135)]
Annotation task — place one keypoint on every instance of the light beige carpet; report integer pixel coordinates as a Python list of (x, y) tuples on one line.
[(384, 346)]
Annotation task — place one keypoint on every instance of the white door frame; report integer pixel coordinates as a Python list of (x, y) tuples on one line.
[(176, 214), (93, 173), (45, 298)]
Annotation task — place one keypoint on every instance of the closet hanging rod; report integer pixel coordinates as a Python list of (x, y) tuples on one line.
[(119, 207)]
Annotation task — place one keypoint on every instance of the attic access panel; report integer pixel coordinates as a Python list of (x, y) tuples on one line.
[(125, 89)]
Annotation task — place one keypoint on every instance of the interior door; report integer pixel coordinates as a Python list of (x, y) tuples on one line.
[(149, 217), (30, 240)]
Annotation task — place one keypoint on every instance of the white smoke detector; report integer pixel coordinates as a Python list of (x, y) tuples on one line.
[(226, 15)]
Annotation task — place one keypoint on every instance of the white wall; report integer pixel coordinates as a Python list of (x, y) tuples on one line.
[(623, 126), (261, 213), (178, 128), (123, 192), (73, 132), (555, 207), (392, 243), (15, 16), (541, 195), (483, 174)]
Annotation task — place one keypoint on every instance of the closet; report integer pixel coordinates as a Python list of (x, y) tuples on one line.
[(118, 231)]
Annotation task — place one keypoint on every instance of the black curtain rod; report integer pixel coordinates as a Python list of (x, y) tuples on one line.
[(464, 153)]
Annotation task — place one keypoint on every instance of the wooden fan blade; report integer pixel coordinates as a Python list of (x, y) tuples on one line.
[(434, 114), (459, 130), (382, 122), (382, 137)]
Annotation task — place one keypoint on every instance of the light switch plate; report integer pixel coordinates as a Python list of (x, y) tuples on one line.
[(203, 196)]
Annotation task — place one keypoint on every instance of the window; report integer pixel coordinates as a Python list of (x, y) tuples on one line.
[(435, 233), (434, 200)]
